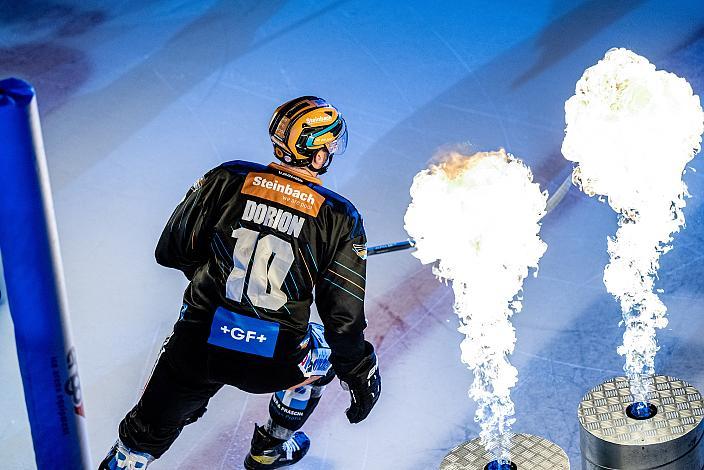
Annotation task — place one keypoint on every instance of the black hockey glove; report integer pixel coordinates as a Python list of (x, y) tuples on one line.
[(364, 385)]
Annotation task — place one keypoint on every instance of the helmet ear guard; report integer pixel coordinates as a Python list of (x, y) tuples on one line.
[(303, 126), (282, 154)]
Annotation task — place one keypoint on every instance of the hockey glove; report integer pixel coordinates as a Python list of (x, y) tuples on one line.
[(364, 385)]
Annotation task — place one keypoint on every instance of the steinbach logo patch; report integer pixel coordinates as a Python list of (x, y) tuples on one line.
[(360, 250), (283, 191)]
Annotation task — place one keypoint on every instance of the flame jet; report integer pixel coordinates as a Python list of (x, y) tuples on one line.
[(477, 218), (632, 129)]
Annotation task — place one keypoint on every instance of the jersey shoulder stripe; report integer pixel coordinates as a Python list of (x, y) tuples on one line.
[(344, 207), (338, 203), (242, 167)]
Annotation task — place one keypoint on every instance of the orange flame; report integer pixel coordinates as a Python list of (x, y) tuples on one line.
[(454, 164)]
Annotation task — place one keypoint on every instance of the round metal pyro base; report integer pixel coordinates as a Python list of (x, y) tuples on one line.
[(611, 438), (527, 453)]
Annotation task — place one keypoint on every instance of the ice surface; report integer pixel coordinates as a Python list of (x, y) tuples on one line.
[(140, 98)]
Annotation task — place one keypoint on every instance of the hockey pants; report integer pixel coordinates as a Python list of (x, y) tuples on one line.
[(178, 392)]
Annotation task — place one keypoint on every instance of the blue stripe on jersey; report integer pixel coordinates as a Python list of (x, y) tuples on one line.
[(353, 272), (219, 244), (312, 257), (338, 285), (294, 283)]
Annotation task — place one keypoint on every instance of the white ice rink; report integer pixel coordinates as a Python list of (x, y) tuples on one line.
[(138, 99)]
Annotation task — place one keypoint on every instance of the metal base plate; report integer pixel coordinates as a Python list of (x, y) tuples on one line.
[(527, 452), (602, 412), (670, 440)]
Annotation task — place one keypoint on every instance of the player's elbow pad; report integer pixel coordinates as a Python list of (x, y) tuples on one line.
[(162, 256)]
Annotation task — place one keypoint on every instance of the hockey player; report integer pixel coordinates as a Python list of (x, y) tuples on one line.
[(259, 244)]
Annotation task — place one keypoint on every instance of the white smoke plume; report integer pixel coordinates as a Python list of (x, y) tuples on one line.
[(632, 129), (477, 218)]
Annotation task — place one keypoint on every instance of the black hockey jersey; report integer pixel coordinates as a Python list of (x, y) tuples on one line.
[(258, 241)]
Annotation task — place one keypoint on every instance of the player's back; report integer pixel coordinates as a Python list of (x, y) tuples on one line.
[(259, 240)]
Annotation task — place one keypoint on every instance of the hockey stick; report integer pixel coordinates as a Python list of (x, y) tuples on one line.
[(553, 201), (389, 247)]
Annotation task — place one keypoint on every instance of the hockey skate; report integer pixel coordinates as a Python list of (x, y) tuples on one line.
[(268, 452), (121, 458)]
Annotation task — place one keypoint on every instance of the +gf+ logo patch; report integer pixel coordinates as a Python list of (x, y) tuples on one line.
[(239, 334)]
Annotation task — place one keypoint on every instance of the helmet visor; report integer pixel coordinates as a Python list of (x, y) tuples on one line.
[(339, 145), (336, 146)]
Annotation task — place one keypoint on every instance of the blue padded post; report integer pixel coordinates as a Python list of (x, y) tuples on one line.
[(35, 287)]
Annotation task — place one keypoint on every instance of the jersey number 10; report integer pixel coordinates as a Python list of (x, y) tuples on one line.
[(272, 260)]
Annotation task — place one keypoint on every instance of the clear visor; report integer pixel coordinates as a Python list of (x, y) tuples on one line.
[(339, 145)]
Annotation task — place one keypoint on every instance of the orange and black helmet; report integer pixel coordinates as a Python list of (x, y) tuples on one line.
[(302, 126)]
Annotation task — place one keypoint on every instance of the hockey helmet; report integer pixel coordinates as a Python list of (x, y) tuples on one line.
[(302, 126)]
